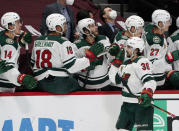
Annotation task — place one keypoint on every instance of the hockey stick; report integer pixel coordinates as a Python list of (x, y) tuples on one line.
[(161, 109)]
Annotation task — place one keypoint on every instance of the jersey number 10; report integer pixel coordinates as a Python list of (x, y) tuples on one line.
[(45, 56)]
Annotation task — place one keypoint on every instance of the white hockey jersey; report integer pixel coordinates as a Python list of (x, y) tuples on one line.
[(98, 77), (54, 55), (10, 51), (137, 74), (155, 44)]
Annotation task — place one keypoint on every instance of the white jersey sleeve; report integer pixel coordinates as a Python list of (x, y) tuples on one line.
[(70, 61), (12, 76), (171, 45), (173, 41), (105, 42)]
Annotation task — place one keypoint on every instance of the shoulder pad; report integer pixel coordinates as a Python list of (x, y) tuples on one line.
[(64, 38), (77, 41), (175, 37), (149, 28), (101, 37), (120, 35)]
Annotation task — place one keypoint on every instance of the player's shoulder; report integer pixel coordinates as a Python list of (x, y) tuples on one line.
[(5, 40), (41, 37), (141, 59), (120, 35), (149, 27), (175, 37), (153, 38), (101, 37), (2, 32), (142, 62), (80, 43), (2, 35), (58, 39)]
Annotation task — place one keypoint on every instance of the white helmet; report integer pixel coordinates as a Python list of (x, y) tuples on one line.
[(9, 18), (84, 24), (55, 19), (135, 21), (136, 42), (160, 16), (177, 22)]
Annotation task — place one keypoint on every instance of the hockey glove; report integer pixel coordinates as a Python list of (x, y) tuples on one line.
[(94, 51), (146, 97), (28, 81), (172, 56), (4, 67), (173, 77), (119, 58), (25, 38), (113, 49), (92, 54)]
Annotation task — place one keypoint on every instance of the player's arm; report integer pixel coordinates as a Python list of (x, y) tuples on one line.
[(4, 67), (171, 45), (79, 51), (144, 72), (25, 38), (70, 61), (106, 43), (15, 77), (73, 64), (115, 74), (32, 61), (116, 68)]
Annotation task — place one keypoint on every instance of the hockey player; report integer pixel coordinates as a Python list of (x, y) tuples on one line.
[(156, 44), (173, 41), (136, 78), (96, 77), (156, 48), (11, 39), (54, 59), (134, 27)]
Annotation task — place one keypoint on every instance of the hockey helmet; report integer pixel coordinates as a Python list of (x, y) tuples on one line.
[(9, 18), (84, 24), (160, 15), (54, 20), (135, 21), (136, 43)]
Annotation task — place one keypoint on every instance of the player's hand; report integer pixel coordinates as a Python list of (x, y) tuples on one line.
[(94, 51), (119, 58), (172, 56), (27, 80), (114, 49), (76, 35), (146, 97), (4, 67), (25, 37)]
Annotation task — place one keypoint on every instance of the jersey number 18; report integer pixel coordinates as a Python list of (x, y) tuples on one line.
[(45, 56)]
